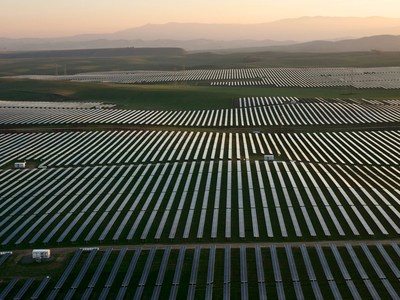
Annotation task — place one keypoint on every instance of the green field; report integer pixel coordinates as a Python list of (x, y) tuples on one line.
[(167, 96), (207, 60)]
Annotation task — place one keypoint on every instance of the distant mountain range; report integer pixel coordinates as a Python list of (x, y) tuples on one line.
[(300, 33), (383, 43), (299, 29), (95, 53)]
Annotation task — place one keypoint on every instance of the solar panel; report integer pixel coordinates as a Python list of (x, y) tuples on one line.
[(84, 269), (100, 268), (379, 272), (4, 257), (156, 292), (328, 273), (104, 293), (389, 261), (131, 268), (206, 150), (115, 268), (259, 265), (24, 289), (324, 200), (227, 291), (308, 264), (191, 292), (145, 274), (139, 292), (246, 150), (324, 263), (311, 274), (195, 266), (211, 265), (371, 289), (222, 150), (356, 262), (205, 201), (396, 248), (180, 207), (392, 292), (40, 288), (372, 261), (275, 264), (68, 270), (276, 201), (353, 290), (147, 267), (243, 264), (163, 267), (292, 264), (209, 290), (70, 294), (8, 288), (174, 292)]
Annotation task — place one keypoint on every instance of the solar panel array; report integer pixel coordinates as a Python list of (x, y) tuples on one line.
[(115, 147), (198, 200), (287, 272), (4, 256), (292, 114), (266, 101), (59, 104), (190, 187), (383, 77)]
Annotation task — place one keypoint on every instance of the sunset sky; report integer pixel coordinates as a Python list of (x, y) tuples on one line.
[(50, 18)]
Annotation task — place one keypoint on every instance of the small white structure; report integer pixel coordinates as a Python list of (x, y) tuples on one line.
[(88, 249), (39, 254), (20, 165), (269, 157)]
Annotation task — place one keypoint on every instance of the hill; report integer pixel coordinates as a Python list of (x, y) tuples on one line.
[(196, 36), (383, 43), (95, 53), (298, 29)]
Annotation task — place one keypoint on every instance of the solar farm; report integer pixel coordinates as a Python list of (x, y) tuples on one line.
[(361, 78), (272, 197)]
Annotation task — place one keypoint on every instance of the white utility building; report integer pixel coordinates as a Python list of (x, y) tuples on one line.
[(40, 253), (20, 165), (269, 157)]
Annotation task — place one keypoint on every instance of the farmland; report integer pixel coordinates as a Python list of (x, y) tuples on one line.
[(246, 195)]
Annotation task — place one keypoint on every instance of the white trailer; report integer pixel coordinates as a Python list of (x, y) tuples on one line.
[(20, 165), (39, 254), (269, 157)]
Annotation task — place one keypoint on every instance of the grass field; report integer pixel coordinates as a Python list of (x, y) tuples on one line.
[(207, 60), (16, 266), (168, 96)]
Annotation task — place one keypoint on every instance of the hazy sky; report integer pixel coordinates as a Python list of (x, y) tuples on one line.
[(45, 18)]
